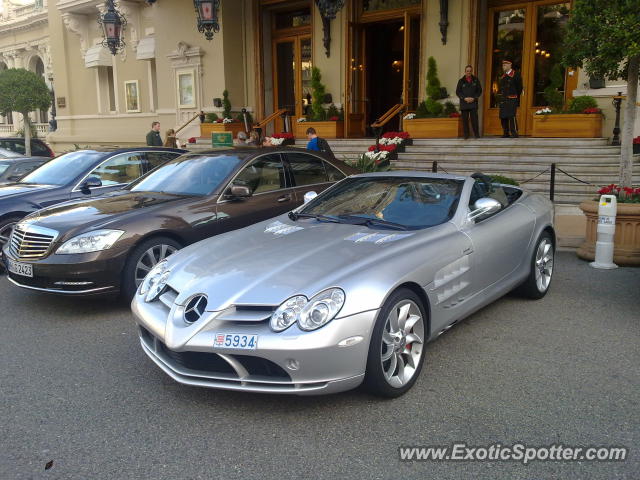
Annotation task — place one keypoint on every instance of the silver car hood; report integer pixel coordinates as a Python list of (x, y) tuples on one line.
[(267, 263)]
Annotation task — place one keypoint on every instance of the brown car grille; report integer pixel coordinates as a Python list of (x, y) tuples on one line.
[(27, 244)]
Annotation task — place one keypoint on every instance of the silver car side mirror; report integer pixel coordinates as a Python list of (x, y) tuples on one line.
[(309, 196), (484, 206)]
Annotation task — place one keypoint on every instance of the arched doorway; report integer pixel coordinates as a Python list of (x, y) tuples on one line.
[(37, 66)]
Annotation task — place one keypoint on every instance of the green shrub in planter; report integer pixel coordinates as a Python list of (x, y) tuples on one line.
[(579, 104), (212, 117), (504, 180)]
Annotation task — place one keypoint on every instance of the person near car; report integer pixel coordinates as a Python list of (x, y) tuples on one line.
[(254, 139), (171, 141), (241, 139), (510, 91), (468, 91), (316, 143), (203, 117), (153, 137)]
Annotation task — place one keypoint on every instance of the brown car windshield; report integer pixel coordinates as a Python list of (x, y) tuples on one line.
[(193, 175)]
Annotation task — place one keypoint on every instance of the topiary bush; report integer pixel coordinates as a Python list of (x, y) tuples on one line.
[(449, 108), (212, 117), (318, 92), (333, 112), (579, 104), (226, 104), (554, 97)]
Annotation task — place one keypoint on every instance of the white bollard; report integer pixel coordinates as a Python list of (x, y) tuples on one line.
[(607, 208)]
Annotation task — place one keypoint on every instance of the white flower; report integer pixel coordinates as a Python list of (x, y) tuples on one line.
[(543, 111), (276, 141), (409, 116), (227, 120), (390, 141), (302, 119), (381, 155)]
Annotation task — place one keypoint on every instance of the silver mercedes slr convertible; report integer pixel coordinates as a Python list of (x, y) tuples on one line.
[(348, 288)]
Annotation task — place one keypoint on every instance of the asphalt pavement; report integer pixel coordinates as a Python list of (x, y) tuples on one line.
[(77, 390)]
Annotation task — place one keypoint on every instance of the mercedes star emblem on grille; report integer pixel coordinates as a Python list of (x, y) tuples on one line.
[(195, 308)]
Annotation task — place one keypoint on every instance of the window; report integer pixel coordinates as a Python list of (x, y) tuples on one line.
[(155, 159), (120, 169), (307, 169), (13, 145), (39, 149), (333, 173), (264, 174)]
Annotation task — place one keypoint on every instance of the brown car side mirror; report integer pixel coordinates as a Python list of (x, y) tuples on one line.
[(239, 191)]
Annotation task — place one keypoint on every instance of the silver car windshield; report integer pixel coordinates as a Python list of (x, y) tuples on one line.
[(191, 175), (413, 203)]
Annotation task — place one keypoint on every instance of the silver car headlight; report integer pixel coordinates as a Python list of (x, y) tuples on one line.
[(309, 314), (154, 282), (90, 242)]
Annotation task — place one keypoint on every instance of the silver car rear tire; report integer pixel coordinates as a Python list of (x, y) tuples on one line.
[(396, 351)]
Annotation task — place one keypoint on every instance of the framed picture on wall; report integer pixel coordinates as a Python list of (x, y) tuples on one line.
[(185, 80), (132, 96)]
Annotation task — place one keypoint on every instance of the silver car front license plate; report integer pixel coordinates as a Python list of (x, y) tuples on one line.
[(24, 269), (239, 341)]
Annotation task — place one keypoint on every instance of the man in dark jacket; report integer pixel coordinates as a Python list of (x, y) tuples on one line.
[(153, 137), (468, 91), (317, 143), (510, 91)]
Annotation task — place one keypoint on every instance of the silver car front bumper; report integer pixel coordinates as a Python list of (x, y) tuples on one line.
[(289, 362)]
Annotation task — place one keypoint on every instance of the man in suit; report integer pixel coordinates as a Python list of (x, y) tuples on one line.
[(468, 91), (153, 137), (510, 91)]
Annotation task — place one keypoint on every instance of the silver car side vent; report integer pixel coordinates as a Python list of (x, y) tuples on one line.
[(377, 238), (279, 228)]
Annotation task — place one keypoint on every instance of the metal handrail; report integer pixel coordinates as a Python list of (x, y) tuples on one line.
[(263, 123), (194, 117)]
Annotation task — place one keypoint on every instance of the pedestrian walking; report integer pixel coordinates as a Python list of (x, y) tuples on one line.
[(468, 91), (316, 143), (203, 117), (153, 137), (510, 91)]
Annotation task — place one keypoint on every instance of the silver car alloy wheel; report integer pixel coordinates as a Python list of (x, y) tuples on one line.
[(5, 233), (150, 258), (544, 264), (402, 343)]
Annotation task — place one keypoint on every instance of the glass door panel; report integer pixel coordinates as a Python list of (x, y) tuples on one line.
[(285, 75), (508, 42), (356, 102), (305, 74), (551, 27)]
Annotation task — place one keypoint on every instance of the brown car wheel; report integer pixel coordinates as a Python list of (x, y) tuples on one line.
[(142, 259)]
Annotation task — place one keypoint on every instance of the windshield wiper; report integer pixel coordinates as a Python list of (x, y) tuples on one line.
[(323, 218), (373, 222)]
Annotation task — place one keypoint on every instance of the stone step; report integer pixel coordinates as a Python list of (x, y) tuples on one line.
[(508, 158), (570, 167), (497, 149)]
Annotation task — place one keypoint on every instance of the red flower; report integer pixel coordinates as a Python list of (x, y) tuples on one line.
[(402, 135), (454, 115), (219, 120), (285, 135), (636, 140), (192, 140), (592, 110), (383, 148), (334, 119)]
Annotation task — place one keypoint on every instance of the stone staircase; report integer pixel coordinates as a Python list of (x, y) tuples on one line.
[(588, 159)]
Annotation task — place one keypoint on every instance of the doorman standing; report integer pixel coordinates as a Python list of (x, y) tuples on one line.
[(510, 91)]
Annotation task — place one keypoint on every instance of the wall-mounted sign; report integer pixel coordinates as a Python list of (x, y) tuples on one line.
[(62, 102)]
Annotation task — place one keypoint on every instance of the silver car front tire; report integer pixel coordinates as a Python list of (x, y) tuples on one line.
[(538, 282), (396, 351)]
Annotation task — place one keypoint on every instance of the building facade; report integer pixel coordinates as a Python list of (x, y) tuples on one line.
[(372, 55)]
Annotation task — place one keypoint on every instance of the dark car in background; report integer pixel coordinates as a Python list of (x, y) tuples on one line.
[(109, 244), (16, 144), (76, 175), (13, 169)]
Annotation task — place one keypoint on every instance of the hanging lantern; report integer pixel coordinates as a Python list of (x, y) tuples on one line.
[(328, 11), (207, 11), (113, 23)]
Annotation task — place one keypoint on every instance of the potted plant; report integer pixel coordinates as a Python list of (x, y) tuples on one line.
[(328, 123), (227, 123), (372, 162), (432, 119), (581, 118), (626, 251), (282, 139)]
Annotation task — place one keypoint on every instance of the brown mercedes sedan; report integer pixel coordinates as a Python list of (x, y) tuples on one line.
[(109, 243)]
